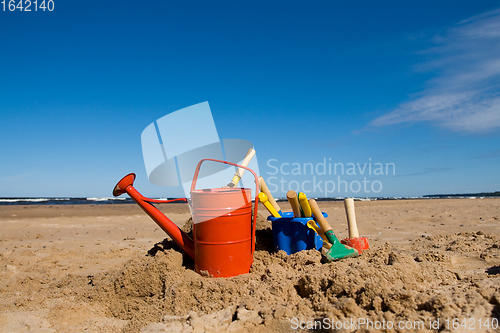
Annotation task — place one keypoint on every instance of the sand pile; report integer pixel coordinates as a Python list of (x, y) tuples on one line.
[(440, 277)]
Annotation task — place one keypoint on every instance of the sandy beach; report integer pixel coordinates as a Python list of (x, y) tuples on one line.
[(109, 268)]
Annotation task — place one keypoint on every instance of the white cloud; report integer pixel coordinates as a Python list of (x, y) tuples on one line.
[(465, 95)]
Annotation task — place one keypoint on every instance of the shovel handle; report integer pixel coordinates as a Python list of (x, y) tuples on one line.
[(263, 188), (312, 225), (304, 204), (265, 200), (239, 173), (294, 202), (351, 218), (318, 216)]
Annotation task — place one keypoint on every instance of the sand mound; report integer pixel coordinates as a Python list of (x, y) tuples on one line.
[(441, 277)]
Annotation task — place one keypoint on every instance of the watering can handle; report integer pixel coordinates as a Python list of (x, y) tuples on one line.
[(195, 178)]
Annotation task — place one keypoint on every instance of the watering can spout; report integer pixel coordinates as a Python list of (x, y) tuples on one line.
[(125, 185), (122, 185)]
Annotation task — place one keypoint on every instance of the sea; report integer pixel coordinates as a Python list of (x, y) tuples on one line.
[(64, 201), (125, 200)]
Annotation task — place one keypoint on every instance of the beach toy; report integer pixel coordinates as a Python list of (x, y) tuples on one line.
[(223, 230), (263, 198), (311, 224), (239, 172), (359, 243), (304, 205), (263, 188), (292, 235), (294, 202), (338, 250)]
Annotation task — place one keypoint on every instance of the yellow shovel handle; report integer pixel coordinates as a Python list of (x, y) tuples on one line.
[(263, 188), (312, 225), (263, 198), (305, 205)]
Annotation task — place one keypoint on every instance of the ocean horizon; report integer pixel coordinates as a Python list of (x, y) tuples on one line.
[(125, 200)]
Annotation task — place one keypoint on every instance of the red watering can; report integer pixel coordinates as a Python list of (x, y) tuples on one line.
[(223, 231)]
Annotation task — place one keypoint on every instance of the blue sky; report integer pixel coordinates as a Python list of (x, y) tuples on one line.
[(413, 83)]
